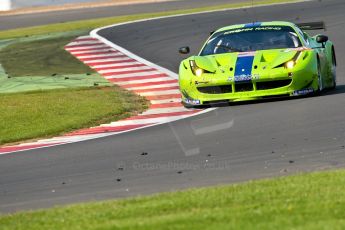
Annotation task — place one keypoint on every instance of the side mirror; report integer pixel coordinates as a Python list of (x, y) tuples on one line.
[(321, 38), (184, 50)]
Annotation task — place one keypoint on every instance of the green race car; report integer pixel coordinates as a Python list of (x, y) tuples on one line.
[(258, 60)]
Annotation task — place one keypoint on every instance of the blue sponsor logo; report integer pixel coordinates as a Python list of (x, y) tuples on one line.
[(243, 77), (303, 92), (253, 24), (192, 102)]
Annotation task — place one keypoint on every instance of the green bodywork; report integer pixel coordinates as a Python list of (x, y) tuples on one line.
[(313, 71)]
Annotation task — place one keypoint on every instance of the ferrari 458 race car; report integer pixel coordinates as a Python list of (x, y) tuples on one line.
[(258, 60)]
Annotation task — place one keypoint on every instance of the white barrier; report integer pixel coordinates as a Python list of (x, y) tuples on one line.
[(15, 4), (5, 5)]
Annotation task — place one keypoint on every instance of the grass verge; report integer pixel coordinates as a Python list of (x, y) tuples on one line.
[(35, 83), (45, 57), (308, 201), (94, 23), (48, 113)]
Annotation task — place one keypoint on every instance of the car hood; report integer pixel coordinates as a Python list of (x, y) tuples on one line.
[(268, 58)]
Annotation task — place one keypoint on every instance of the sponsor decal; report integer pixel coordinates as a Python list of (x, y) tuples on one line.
[(268, 28), (246, 54), (235, 31), (242, 78), (303, 92), (192, 101), (201, 82), (253, 27)]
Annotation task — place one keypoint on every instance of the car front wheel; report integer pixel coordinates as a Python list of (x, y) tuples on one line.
[(319, 78)]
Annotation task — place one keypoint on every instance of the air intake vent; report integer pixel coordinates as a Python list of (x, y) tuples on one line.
[(243, 87), (272, 84), (215, 89)]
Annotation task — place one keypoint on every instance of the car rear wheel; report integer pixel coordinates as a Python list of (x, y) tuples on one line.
[(334, 72)]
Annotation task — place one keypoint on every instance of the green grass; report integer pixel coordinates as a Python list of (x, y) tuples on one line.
[(45, 57), (86, 25), (309, 201), (48, 113)]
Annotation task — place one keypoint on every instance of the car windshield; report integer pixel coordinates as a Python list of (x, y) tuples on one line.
[(252, 39)]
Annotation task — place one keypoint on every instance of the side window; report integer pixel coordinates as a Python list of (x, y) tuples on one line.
[(306, 37), (303, 35)]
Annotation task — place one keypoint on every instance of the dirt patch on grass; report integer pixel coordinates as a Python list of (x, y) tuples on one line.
[(45, 57)]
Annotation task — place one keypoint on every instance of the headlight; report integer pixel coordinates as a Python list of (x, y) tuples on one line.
[(197, 71), (290, 64)]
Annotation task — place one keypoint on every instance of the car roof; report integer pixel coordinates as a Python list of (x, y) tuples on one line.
[(256, 24)]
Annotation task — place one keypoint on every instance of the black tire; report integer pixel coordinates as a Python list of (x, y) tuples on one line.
[(319, 77), (334, 72)]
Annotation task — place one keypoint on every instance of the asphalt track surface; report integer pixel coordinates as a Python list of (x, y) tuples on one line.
[(25, 20), (231, 144)]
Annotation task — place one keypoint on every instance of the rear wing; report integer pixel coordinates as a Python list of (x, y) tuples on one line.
[(312, 25)]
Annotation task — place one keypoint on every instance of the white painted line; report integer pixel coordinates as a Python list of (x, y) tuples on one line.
[(165, 110), (101, 135), (94, 34), (69, 139), (84, 36), (145, 121)]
